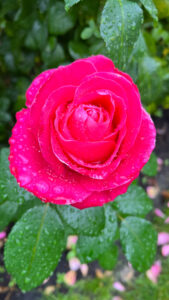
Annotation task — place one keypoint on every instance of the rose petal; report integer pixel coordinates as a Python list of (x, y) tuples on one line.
[(37, 83), (61, 95), (2, 235), (158, 212), (100, 198), (119, 286), (59, 185), (154, 272), (165, 250), (167, 221), (163, 238), (102, 63), (134, 111), (130, 167), (72, 74)]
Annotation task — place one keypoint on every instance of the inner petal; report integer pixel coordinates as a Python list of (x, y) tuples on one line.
[(89, 122)]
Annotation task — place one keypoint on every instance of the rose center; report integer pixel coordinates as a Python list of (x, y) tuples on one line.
[(89, 122)]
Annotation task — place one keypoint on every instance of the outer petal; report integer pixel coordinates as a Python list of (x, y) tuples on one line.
[(72, 74), (134, 112), (61, 95), (102, 63), (36, 85), (59, 185), (100, 198), (129, 167)]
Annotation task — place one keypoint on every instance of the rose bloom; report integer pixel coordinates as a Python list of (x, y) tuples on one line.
[(84, 136)]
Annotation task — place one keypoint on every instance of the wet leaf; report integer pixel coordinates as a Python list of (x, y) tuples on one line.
[(120, 25), (37, 37), (89, 221), (135, 202), (52, 57), (108, 259), (139, 242), (9, 189), (138, 52), (89, 248), (151, 8), (59, 21), (7, 213), (70, 3), (150, 169), (34, 247), (78, 50), (149, 75)]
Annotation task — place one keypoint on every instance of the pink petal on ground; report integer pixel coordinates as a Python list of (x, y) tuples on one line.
[(74, 264), (167, 221), (71, 240), (165, 250), (2, 235), (152, 191), (154, 272), (160, 161), (119, 286), (70, 278), (163, 238), (159, 213), (84, 269)]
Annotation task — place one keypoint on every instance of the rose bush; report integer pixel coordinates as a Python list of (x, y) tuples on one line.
[(84, 136)]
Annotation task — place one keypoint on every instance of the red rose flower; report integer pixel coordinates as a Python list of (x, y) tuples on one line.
[(84, 136)]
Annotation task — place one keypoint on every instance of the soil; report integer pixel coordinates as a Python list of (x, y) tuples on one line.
[(161, 180)]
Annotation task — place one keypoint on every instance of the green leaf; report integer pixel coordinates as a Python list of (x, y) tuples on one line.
[(59, 21), (98, 47), (86, 33), (139, 242), (89, 248), (149, 75), (120, 25), (34, 247), (9, 189), (70, 3), (108, 259), (134, 202), (138, 52), (78, 50), (52, 57), (37, 37), (151, 8), (163, 8), (7, 213), (89, 221), (150, 169)]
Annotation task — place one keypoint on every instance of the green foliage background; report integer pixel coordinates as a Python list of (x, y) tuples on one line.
[(39, 34)]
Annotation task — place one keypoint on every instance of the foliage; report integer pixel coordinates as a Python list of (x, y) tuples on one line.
[(38, 238), (139, 289)]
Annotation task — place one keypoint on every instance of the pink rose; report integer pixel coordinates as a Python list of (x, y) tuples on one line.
[(84, 136)]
